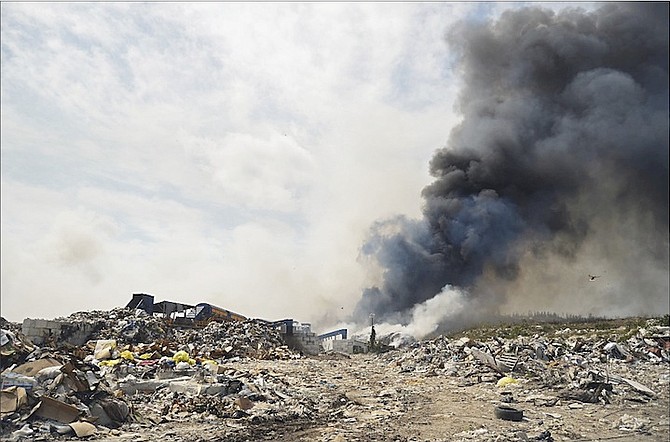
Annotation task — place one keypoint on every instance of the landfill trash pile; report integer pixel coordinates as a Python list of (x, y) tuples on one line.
[(14, 346), (251, 338), (238, 381), (578, 365), (627, 367), (57, 394), (124, 325), (59, 390), (575, 359)]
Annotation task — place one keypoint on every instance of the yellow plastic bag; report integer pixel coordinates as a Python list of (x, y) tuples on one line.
[(109, 363), (181, 356), (127, 355), (503, 382)]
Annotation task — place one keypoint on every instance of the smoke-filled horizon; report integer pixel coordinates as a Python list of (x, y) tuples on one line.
[(242, 162), (557, 171)]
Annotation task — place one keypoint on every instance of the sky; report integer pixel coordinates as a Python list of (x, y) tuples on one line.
[(230, 153)]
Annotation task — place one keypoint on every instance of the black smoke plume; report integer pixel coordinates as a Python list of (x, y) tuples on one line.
[(564, 135)]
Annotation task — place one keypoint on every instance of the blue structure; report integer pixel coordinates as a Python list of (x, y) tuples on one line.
[(334, 334)]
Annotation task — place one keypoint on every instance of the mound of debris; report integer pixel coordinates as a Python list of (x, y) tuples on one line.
[(90, 371), (15, 347), (251, 338), (241, 382), (248, 339), (125, 325), (582, 365)]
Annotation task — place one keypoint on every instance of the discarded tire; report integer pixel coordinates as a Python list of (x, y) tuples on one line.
[(508, 413)]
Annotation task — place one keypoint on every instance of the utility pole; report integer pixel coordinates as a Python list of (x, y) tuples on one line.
[(373, 336)]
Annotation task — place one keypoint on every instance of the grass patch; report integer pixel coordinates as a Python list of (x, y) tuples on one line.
[(617, 329)]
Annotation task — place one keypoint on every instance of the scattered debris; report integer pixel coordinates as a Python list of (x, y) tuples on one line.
[(125, 358), (243, 380)]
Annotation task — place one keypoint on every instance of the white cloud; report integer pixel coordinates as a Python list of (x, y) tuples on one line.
[(256, 171), (228, 152)]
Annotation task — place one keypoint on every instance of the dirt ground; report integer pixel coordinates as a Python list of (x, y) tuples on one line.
[(369, 398)]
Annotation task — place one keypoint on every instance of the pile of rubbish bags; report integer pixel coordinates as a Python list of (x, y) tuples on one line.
[(58, 389)]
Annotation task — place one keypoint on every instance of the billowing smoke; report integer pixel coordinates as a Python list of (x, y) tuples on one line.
[(560, 161)]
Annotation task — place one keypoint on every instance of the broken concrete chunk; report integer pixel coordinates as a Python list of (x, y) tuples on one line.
[(186, 387)]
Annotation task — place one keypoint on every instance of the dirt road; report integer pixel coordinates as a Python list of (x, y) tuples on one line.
[(371, 398)]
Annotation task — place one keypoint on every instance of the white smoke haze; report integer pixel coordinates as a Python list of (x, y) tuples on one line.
[(427, 317), (435, 314)]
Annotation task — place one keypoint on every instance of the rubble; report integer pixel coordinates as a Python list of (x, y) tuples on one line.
[(90, 369), (240, 381), (14, 346)]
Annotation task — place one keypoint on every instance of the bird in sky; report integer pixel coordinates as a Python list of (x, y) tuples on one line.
[(593, 277)]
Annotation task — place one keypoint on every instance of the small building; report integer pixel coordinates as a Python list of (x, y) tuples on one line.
[(349, 346), (299, 336), (336, 340)]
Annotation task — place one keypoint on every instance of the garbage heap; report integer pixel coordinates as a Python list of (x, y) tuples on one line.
[(248, 339), (574, 366), (125, 325), (14, 346), (129, 363)]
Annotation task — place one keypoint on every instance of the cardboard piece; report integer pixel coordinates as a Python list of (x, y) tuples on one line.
[(244, 403), (50, 408), (31, 368), (73, 380), (83, 429), (11, 399)]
